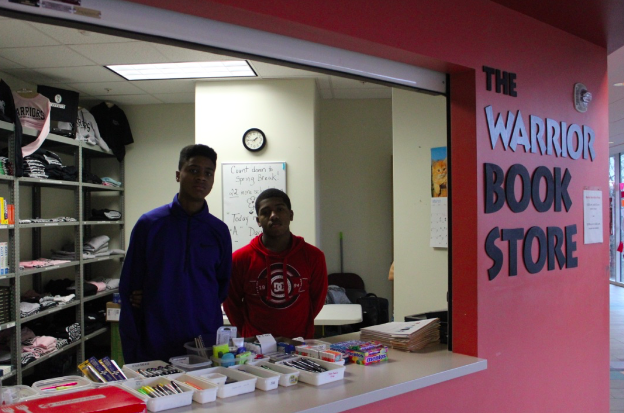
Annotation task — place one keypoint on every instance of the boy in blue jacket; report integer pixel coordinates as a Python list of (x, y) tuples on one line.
[(177, 268)]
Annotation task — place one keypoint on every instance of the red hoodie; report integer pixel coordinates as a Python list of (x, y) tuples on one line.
[(258, 304)]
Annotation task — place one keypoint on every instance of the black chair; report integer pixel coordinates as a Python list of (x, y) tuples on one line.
[(352, 283)]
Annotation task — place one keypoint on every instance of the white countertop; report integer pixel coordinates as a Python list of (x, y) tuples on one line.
[(332, 315), (402, 373)]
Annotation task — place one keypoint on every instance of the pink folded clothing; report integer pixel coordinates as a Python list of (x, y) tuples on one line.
[(100, 285)]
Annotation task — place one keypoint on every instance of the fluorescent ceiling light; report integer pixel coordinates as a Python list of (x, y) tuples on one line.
[(618, 84), (188, 70)]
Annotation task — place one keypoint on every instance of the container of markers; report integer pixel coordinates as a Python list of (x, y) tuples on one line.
[(160, 393), (204, 391), (314, 371), (62, 385), (151, 369)]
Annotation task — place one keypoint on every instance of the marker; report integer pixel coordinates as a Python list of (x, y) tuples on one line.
[(57, 387)]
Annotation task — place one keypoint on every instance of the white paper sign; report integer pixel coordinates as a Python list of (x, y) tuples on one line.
[(592, 216), (439, 223)]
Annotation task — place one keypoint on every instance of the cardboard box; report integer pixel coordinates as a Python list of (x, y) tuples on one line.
[(109, 399), (112, 311)]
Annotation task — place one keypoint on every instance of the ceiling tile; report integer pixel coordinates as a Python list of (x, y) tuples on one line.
[(31, 76), (130, 99), (69, 36), (177, 54), (268, 71), (616, 110), (166, 86), (16, 33), (114, 88), (81, 74), (362, 93), (176, 97), (121, 53), (7, 64), (49, 56)]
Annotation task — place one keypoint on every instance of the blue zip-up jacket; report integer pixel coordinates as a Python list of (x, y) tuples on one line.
[(183, 264)]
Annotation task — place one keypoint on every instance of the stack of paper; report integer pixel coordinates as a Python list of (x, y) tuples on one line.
[(407, 336)]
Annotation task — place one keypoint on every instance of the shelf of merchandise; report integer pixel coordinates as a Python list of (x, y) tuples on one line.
[(96, 333), (82, 154), (100, 295)]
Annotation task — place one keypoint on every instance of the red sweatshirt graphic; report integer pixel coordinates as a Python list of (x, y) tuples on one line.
[(277, 293)]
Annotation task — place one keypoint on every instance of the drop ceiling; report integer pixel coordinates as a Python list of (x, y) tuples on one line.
[(67, 58)]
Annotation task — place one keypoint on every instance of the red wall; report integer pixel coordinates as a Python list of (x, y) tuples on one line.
[(545, 335)]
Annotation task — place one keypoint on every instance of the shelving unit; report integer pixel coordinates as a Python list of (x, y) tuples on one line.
[(84, 197)]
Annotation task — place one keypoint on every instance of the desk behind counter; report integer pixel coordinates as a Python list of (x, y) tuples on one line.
[(404, 372), (331, 315)]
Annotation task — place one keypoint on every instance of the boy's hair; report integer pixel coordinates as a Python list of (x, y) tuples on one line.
[(272, 193), (196, 150)]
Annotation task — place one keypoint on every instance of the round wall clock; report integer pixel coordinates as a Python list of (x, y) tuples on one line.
[(254, 140)]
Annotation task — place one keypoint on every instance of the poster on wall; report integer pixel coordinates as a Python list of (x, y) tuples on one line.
[(592, 216), (439, 183), (242, 183), (439, 223)]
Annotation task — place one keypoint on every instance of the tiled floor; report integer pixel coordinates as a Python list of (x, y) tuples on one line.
[(617, 348)]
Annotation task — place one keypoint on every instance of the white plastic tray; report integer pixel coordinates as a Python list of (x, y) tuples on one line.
[(267, 379), (159, 403), (288, 375), (135, 367), (334, 373), (82, 383), (190, 362), (19, 393), (245, 383), (208, 392)]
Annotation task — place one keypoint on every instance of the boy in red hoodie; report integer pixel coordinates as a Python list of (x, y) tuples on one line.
[(279, 281)]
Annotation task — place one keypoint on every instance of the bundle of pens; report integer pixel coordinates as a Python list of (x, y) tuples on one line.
[(199, 343), (101, 371), (160, 390), (306, 365)]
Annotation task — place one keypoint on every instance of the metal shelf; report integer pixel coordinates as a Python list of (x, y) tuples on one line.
[(52, 354), (50, 268), (100, 187), (102, 223), (49, 183), (50, 311), (82, 154), (50, 224), (100, 295), (96, 333)]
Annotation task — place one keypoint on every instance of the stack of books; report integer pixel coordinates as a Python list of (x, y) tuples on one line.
[(407, 336)]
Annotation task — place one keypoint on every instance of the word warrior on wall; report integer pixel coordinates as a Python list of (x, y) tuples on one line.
[(242, 183)]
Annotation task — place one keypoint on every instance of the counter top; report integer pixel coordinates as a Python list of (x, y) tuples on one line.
[(402, 373)]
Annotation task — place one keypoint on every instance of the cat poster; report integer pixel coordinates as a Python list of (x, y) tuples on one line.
[(439, 182)]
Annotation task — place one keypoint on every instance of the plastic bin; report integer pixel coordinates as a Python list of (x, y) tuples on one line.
[(442, 315), (19, 393), (190, 362), (61, 385), (334, 373), (267, 379), (159, 403), (192, 350), (207, 391), (135, 367), (288, 375), (245, 383)]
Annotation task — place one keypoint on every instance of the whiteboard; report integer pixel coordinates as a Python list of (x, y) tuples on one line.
[(242, 183)]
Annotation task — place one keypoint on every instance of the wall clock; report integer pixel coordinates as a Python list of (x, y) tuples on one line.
[(254, 140)]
